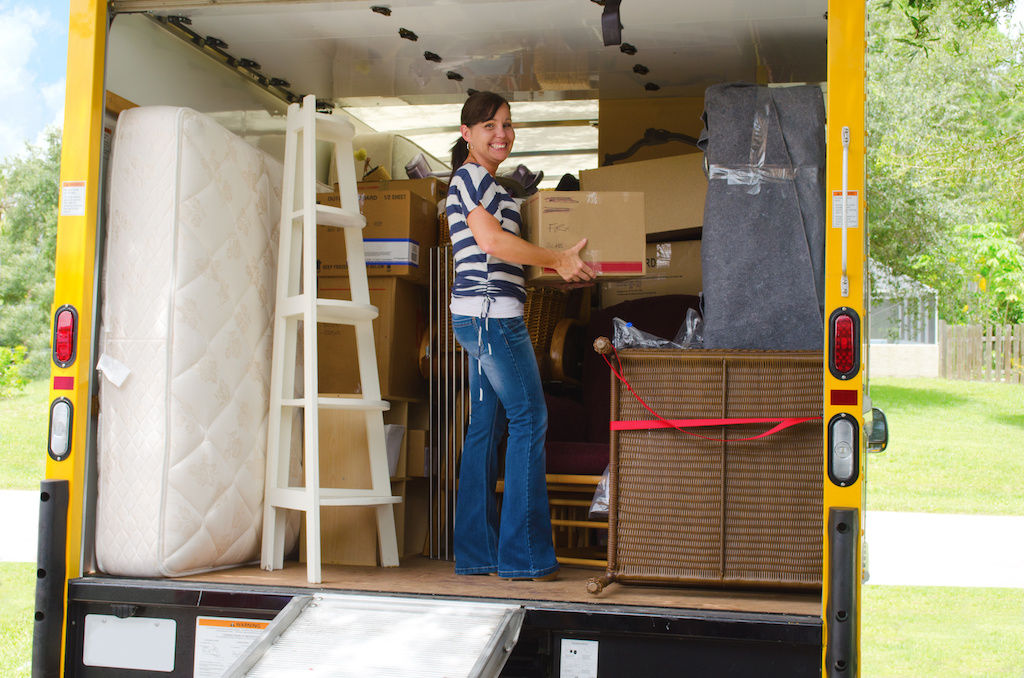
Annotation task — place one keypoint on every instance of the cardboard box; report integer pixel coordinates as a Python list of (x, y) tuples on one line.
[(349, 533), (401, 227), (417, 512), (430, 189), (672, 268), (416, 465), (674, 190), (612, 222), (401, 320)]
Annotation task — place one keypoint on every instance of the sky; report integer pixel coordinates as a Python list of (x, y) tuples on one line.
[(33, 59)]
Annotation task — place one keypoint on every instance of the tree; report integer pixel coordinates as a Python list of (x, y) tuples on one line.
[(915, 25), (28, 240), (945, 147)]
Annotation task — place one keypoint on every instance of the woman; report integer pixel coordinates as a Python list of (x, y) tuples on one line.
[(487, 317)]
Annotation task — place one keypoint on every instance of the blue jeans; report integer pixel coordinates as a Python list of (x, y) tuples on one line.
[(506, 385)]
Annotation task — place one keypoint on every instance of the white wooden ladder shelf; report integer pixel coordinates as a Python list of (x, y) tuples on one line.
[(297, 302)]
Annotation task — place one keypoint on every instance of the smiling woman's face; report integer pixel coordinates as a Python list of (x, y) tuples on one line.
[(491, 141)]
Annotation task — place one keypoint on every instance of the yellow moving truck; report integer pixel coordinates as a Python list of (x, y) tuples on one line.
[(243, 62)]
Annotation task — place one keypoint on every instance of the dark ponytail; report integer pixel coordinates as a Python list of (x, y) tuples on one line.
[(460, 151), (479, 107)]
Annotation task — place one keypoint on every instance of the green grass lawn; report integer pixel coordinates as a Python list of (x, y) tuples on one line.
[(918, 631), (17, 600), (955, 447), (23, 422)]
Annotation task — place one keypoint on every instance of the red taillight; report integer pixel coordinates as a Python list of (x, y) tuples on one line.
[(64, 328), (844, 343)]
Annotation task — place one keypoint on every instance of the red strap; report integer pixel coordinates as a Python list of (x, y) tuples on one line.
[(681, 424), (780, 424)]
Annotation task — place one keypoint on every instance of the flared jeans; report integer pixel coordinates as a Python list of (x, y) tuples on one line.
[(505, 385)]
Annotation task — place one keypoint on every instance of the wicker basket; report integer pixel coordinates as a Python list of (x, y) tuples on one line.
[(544, 307), (691, 511)]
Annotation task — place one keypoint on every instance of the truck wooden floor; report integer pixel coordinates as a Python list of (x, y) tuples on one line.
[(419, 575)]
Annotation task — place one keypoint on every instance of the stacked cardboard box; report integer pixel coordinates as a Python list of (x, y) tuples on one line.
[(401, 226), (672, 268), (349, 534), (674, 189), (401, 321)]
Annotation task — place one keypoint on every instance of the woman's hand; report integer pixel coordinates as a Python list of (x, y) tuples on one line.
[(571, 267)]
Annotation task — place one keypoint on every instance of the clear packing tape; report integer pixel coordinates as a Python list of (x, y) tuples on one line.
[(756, 171)]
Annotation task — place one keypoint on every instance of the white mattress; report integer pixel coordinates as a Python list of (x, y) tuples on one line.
[(188, 297)]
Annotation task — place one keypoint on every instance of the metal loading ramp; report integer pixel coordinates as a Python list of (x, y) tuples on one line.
[(339, 635)]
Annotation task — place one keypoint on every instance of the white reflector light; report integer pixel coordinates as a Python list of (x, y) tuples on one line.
[(843, 458), (60, 428)]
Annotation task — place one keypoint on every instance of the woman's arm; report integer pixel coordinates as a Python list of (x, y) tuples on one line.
[(496, 241)]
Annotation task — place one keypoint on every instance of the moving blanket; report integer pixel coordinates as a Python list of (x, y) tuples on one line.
[(763, 246)]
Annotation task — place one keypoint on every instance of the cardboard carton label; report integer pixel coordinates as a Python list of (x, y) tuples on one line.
[(391, 252)]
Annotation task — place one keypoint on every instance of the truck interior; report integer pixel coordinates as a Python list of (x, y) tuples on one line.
[(585, 79)]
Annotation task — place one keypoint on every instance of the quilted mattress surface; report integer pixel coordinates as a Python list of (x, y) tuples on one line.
[(188, 298)]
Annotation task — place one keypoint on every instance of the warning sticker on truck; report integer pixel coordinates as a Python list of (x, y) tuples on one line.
[(72, 199), (220, 641), (852, 209)]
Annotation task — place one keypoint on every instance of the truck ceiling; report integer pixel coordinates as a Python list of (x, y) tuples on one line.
[(353, 52), (405, 66)]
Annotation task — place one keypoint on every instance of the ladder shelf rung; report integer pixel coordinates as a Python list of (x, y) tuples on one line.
[(338, 217), (351, 404), (295, 498), (329, 127), (333, 128), (336, 311)]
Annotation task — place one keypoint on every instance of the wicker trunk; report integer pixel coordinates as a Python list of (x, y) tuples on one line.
[(723, 512)]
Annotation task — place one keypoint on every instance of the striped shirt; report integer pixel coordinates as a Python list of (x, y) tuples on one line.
[(478, 274)]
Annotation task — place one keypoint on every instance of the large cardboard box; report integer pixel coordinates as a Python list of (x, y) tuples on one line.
[(349, 533), (401, 320), (612, 222), (401, 227), (672, 268), (416, 465), (674, 190), (430, 189)]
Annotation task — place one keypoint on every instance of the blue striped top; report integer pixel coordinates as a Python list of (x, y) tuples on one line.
[(476, 273)]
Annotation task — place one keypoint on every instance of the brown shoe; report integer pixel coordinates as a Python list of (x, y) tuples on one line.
[(552, 576)]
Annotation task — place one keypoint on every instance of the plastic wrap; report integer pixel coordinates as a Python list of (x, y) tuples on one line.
[(599, 504), (690, 334)]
